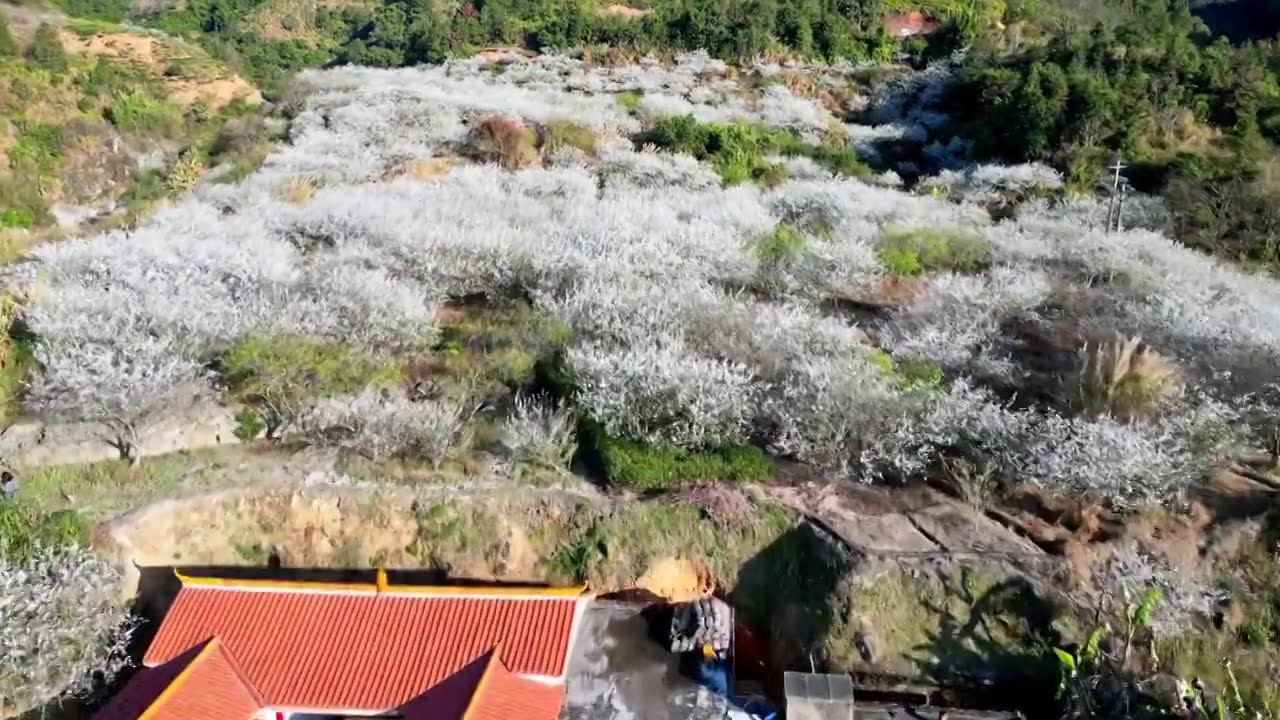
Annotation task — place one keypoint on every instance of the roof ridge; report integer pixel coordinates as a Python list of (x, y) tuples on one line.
[(477, 692), (234, 663), (177, 681), (381, 587)]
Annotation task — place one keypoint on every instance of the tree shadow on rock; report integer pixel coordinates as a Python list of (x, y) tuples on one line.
[(786, 597), (991, 642)]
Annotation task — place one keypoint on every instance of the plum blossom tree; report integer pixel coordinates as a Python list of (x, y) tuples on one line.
[(63, 627), (684, 329)]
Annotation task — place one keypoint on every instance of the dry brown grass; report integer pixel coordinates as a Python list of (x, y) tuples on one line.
[(299, 189), (13, 244), (424, 169), (502, 140), (1125, 379), (429, 168)]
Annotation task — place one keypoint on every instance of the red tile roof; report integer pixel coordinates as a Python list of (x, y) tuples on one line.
[(204, 683), (373, 647), (503, 695), (486, 689)]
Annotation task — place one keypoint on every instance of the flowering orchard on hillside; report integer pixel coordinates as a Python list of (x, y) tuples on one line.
[(701, 314)]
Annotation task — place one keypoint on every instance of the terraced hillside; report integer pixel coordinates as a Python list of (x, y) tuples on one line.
[(660, 274)]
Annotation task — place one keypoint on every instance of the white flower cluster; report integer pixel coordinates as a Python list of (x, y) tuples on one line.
[(987, 183), (62, 626), (689, 326), (381, 424)]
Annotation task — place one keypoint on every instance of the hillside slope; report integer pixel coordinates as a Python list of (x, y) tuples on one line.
[(93, 117)]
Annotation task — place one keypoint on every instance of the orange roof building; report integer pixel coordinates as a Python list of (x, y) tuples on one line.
[(269, 650)]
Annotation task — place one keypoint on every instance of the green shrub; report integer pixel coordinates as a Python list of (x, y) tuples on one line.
[(289, 22), (8, 46), (249, 425), (185, 171), (899, 259), (140, 111), (502, 345), (566, 133), (630, 101), (109, 76), (145, 189), (277, 376), (16, 219), (1254, 634), (916, 372), (918, 250), (784, 243), (841, 160), (17, 360), (38, 146), (737, 150), (773, 174), (46, 50), (645, 466), (881, 360), (23, 528), (20, 193)]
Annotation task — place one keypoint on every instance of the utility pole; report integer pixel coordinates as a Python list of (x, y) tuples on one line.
[(1124, 190), (1118, 187)]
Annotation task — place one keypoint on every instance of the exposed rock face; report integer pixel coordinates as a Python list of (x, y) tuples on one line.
[(916, 520), (98, 162)]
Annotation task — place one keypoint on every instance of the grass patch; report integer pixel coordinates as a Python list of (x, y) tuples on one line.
[(497, 346), (13, 219), (1200, 654), (16, 357), (140, 111), (917, 372), (23, 528), (915, 251), (783, 244), (112, 487), (558, 134), (1252, 582), (629, 101), (38, 146), (278, 376), (737, 150), (645, 466), (85, 27), (448, 530)]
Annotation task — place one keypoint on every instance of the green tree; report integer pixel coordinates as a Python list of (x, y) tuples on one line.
[(46, 50), (8, 46)]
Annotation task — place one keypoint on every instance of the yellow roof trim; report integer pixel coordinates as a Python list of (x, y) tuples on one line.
[(493, 591), (180, 678), (484, 680), (380, 585)]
